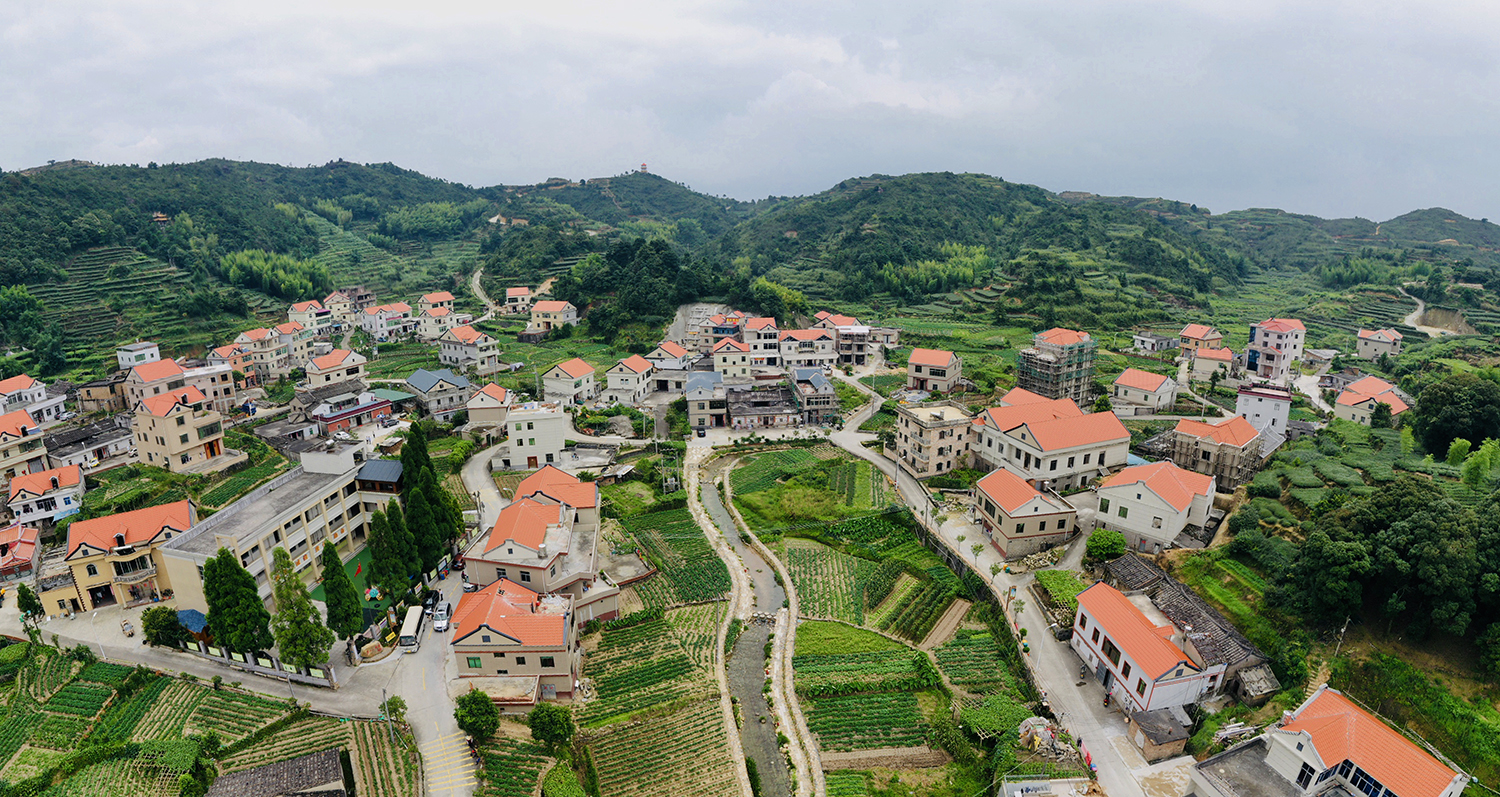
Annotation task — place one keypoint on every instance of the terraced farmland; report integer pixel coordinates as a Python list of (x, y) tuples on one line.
[(647, 665), (830, 584), (512, 767), (682, 753), (676, 546), (863, 722)]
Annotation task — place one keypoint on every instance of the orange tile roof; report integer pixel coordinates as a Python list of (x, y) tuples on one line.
[(559, 485), (436, 312), (289, 327), (1282, 325), (393, 307), (1131, 631), (1141, 380), (1091, 429), (467, 334), (336, 296), (575, 368), (1006, 418), (550, 306), (511, 293), (1382, 335), (760, 323), (1175, 485), (525, 522), (20, 544), (806, 334), (1373, 388), (302, 307), (1221, 354), (161, 369), (1010, 491), (931, 357), (672, 349), (15, 424), (1199, 332), (636, 363), (1235, 431), (494, 391), (1058, 336), (508, 609), (720, 319), (15, 383), (259, 333), (437, 296), (1341, 730), (137, 527), (841, 320), (229, 350), (40, 483), (332, 359), (163, 405), (730, 343), (1019, 395)]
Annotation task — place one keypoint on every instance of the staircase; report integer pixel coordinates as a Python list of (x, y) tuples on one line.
[(1318, 679)]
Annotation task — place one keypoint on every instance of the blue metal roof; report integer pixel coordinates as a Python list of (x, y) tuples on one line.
[(424, 380), (380, 470)]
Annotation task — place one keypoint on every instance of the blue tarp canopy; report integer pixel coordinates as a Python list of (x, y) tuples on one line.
[(192, 619)]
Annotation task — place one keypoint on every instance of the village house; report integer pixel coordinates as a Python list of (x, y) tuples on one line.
[(762, 404), (214, 380), (438, 300), (1329, 745), (330, 495), (342, 310), (18, 550), (1019, 519), (46, 496), (387, 321), (1050, 440), (238, 358), (24, 393), (360, 298), (1059, 364), (708, 405), (1229, 450), (336, 366), (270, 358), (1150, 343), (1274, 349), (537, 434), (1196, 337), (1267, 407), (1208, 361), (441, 392), (715, 328), (1357, 402), (1143, 389), (764, 340), (22, 446), (570, 382), (298, 342), (856, 343), (178, 430), (933, 370), (313, 317), (467, 347), (549, 315), (517, 300), (1154, 505), (670, 355), (506, 630), (629, 380), (809, 348), (932, 438), (89, 445), (102, 395), (115, 560), (138, 353), (344, 411), (732, 360), (1139, 658), (1375, 342), (815, 396), (489, 405)]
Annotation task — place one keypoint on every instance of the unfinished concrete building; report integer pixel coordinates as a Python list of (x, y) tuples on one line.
[(1060, 364)]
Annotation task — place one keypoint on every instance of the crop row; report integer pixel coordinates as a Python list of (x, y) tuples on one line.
[(846, 784), (84, 700), (682, 753), (102, 672), (878, 615), (676, 545), (380, 766), (883, 671), (59, 731), (29, 762), (999, 713), (863, 722), (240, 483), (512, 767), (233, 715), (763, 472), (308, 736), (975, 664), (170, 711), (829, 583), (695, 629), (16, 726)]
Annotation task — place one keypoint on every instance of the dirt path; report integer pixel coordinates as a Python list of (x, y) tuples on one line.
[(1414, 317), (946, 625), (478, 289), (887, 758)]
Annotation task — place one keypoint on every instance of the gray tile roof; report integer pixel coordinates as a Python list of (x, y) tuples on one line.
[(380, 470), (423, 380)]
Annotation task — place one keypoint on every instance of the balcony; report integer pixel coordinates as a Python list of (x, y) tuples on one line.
[(136, 576)]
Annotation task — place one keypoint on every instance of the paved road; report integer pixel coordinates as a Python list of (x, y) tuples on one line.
[(477, 480), (478, 289)]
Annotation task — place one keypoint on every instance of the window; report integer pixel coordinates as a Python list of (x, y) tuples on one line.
[(181, 421), (1124, 511), (1096, 635), (1020, 528), (1156, 523), (1054, 465), (1125, 670), (497, 655), (92, 570), (1103, 504), (1083, 623), (1110, 651), (1304, 775), (1070, 461), (554, 570), (525, 576), (1086, 458), (1062, 523), (500, 572), (520, 660), (182, 438), (1140, 686), (475, 663), (548, 662)]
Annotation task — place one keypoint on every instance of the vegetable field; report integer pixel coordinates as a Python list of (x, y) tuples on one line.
[(647, 665), (1063, 586), (300, 738), (765, 470), (846, 784), (851, 673), (915, 616), (863, 722), (975, 664), (165, 718), (512, 767), (676, 545), (233, 715), (678, 754), (829, 583)]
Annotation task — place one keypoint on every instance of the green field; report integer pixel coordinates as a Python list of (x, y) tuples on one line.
[(686, 561)]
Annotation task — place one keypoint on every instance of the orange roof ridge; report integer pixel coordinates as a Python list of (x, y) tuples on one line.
[(15, 424), (163, 405), (1341, 730), (575, 367), (1175, 485), (1067, 432), (1131, 630), (18, 382), (1235, 431), (1141, 380), (161, 369), (931, 357), (525, 522), (40, 483), (138, 526)]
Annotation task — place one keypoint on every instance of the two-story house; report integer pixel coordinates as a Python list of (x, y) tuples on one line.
[(46, 496), (238, 358), (178, 430), (1206, 361), (551, 314), (570, 382), (1152, 505), (1019, 519), (809, 348), (339, 365), (1046, 440), (22, 446), (517, 300), (387, 321), (764, 340), (298, 342), (1375, 342), (508, 630), (434, 322), (344, 313), (1143, 389), (1275, 347), (536, 436), (24, 393), (715, 328), (313, 317), (467, 347), (732, 359), (138, 353), (671, 355), (1196, 337), (489, 405), (933, 370), (1357, 401), (629, 380), (344, 411), (115, 560), (440, 392), (1139, 658), (707, 400), (815, 396), (437, 300)]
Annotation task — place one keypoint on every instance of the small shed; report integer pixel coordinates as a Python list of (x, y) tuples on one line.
[(195, 622), (1158, 734)]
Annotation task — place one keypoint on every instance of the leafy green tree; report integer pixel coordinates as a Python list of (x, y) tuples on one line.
[(1102, 404), (406, 544), (1476, 470), (301, 637), (1457, 450), (1380, 417), (29, 605), (394, 708), (345, 615), (387, 569), (1105, 544), (551, 723), (1327, 580), (1460, 405), (161, 627), (237, 619), (476, 714), (424, 530), (1489, 650)]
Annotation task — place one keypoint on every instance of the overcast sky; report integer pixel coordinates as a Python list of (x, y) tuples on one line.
[(1337, 109)]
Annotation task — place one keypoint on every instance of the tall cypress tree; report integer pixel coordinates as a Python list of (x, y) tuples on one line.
[(446, 515), (301, 637), (344, 613), (424, 530), (414, 457), (387, 569), (404, 544), (236, 617)]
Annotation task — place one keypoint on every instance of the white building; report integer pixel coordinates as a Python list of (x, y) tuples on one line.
[(49, 495), (1144, 389), (517, 300), (489, 405), (1050, 440), (537, 435), (570, 382), (809, 348), (1153, 504), (732, 359), (552, 314), (24, 393), (441, 392), (1275, 347), (933, 370), (1206, 361), (1266, 407), (313, 316), (139, 353), (764, 340), (339, 365), (387, 320), (1019, 519), (669, 355), (629, 380), (466, 347), (1375, 342), (1357, 401), (1139, 658)]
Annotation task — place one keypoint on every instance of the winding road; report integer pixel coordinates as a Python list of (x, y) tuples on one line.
[(1415, 316)]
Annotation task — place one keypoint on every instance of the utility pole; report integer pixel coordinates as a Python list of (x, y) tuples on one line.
[(385, 712), (1341, 637)]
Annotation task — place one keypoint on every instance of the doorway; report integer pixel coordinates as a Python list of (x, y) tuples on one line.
[(101, 596), (531, 463)]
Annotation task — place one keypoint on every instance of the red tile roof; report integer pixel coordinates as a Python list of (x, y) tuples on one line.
[(672, 349), (575, 368), (1006, 418), (931, 357), (163, 405), (1141, 380), (40, 483), (550, 306), (806, 334), (1200, 332), (525, 522), (230, 350), (559, 485), (332, 359), (436, 312), (494, 391), (760, 323), (1282, 325), (1175, 485), (467, 334), (1382, 335), (1019, 395), (336, 296), (636, 363), (1341, 730), (438, 296), (730, 343), (302, 307), (1373, 388), (289, 328), (841, 320), (1011, 492), (1222, 354), (137, 527), (511, 293), (161, 369), (1235, 431), (20, 546), (259, 333), (508, 609), (15, 424), (15, 384), (393, 307), (1131, 631), (1058, 336)]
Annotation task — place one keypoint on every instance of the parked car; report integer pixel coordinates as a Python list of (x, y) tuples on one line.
[(440, 616), (470, 586), (702, 432), (430, 601)]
